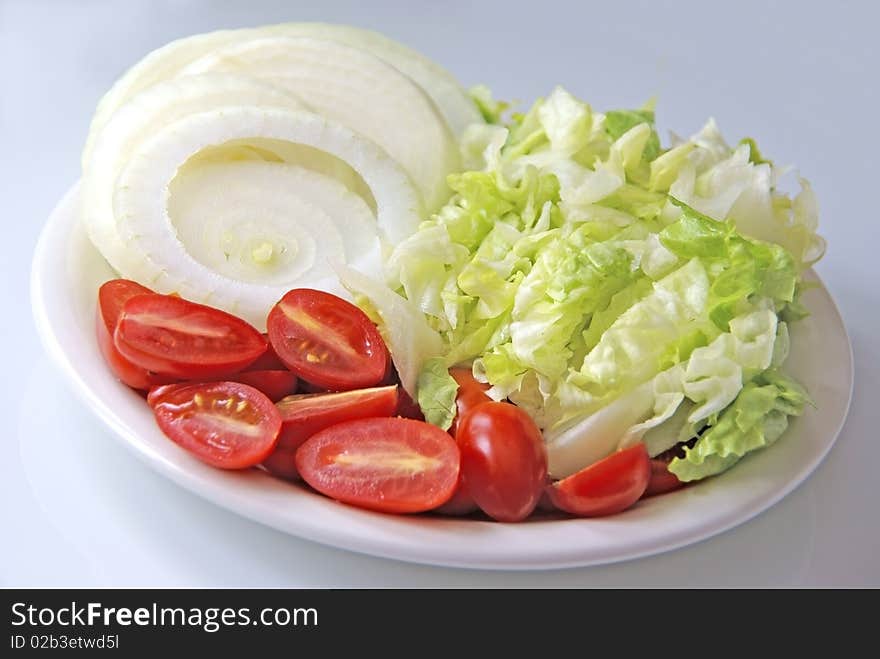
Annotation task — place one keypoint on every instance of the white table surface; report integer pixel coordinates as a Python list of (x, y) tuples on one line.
[(77, 509)]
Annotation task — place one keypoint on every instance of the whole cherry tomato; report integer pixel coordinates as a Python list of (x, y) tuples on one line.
[(503, 461)]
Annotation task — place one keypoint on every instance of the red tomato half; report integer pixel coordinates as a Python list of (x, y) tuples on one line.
[(179, 338), (226, 424), (662, 480), (470, 394), (275, 384), (609, 486), (111, 297), (391, 465), (327, 341), (503, 461), (304, 415)]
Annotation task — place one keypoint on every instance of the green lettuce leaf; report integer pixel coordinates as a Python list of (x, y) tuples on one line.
[(618, 122), (743, 267), (701, 386), (742, 187), (755, 156), (437, 390), (491, 109), (755, 420)]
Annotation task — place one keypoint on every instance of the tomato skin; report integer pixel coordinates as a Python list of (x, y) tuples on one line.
[(662, 480), (224, 424), (327, 341), (182, 339), (461, 502), (470, 394), (503, 461), (305, 415), (606, 487), (275, 384), (126, 372), (111, 297), (390, 465)]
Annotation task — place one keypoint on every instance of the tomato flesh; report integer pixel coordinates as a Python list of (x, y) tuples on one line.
[(111, 297), (390, 465), (606, 487), (307, 414), (327, 341), (275, 384), (225, 424), (179, 338), (503, 461)]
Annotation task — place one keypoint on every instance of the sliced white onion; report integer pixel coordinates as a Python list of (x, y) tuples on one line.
[(155, 254), (268, 223), (166, 62), (356, 89), (454, 104), (159, 65), (141, 118)]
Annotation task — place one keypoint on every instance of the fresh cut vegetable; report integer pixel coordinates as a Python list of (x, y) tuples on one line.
[(337, 265), (390, 465), (225, 424), (615, 290)]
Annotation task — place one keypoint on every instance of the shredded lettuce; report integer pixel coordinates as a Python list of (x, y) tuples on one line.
[(682, 399), (491, 109), (618, 122), (615, 290), (756, 419)]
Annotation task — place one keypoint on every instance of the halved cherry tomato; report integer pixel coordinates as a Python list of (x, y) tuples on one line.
[(606, 487), (111, 297), (662, 480), (275, 384), (268, 361), (225, 424), (470, 394), (179, 338), (503, 461), (306, 414), (327, 341), (391, 465)]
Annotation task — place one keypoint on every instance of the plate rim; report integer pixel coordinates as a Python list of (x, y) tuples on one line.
[(207, 487)]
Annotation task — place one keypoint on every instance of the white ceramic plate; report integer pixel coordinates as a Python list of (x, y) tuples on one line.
[(67, 272)]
